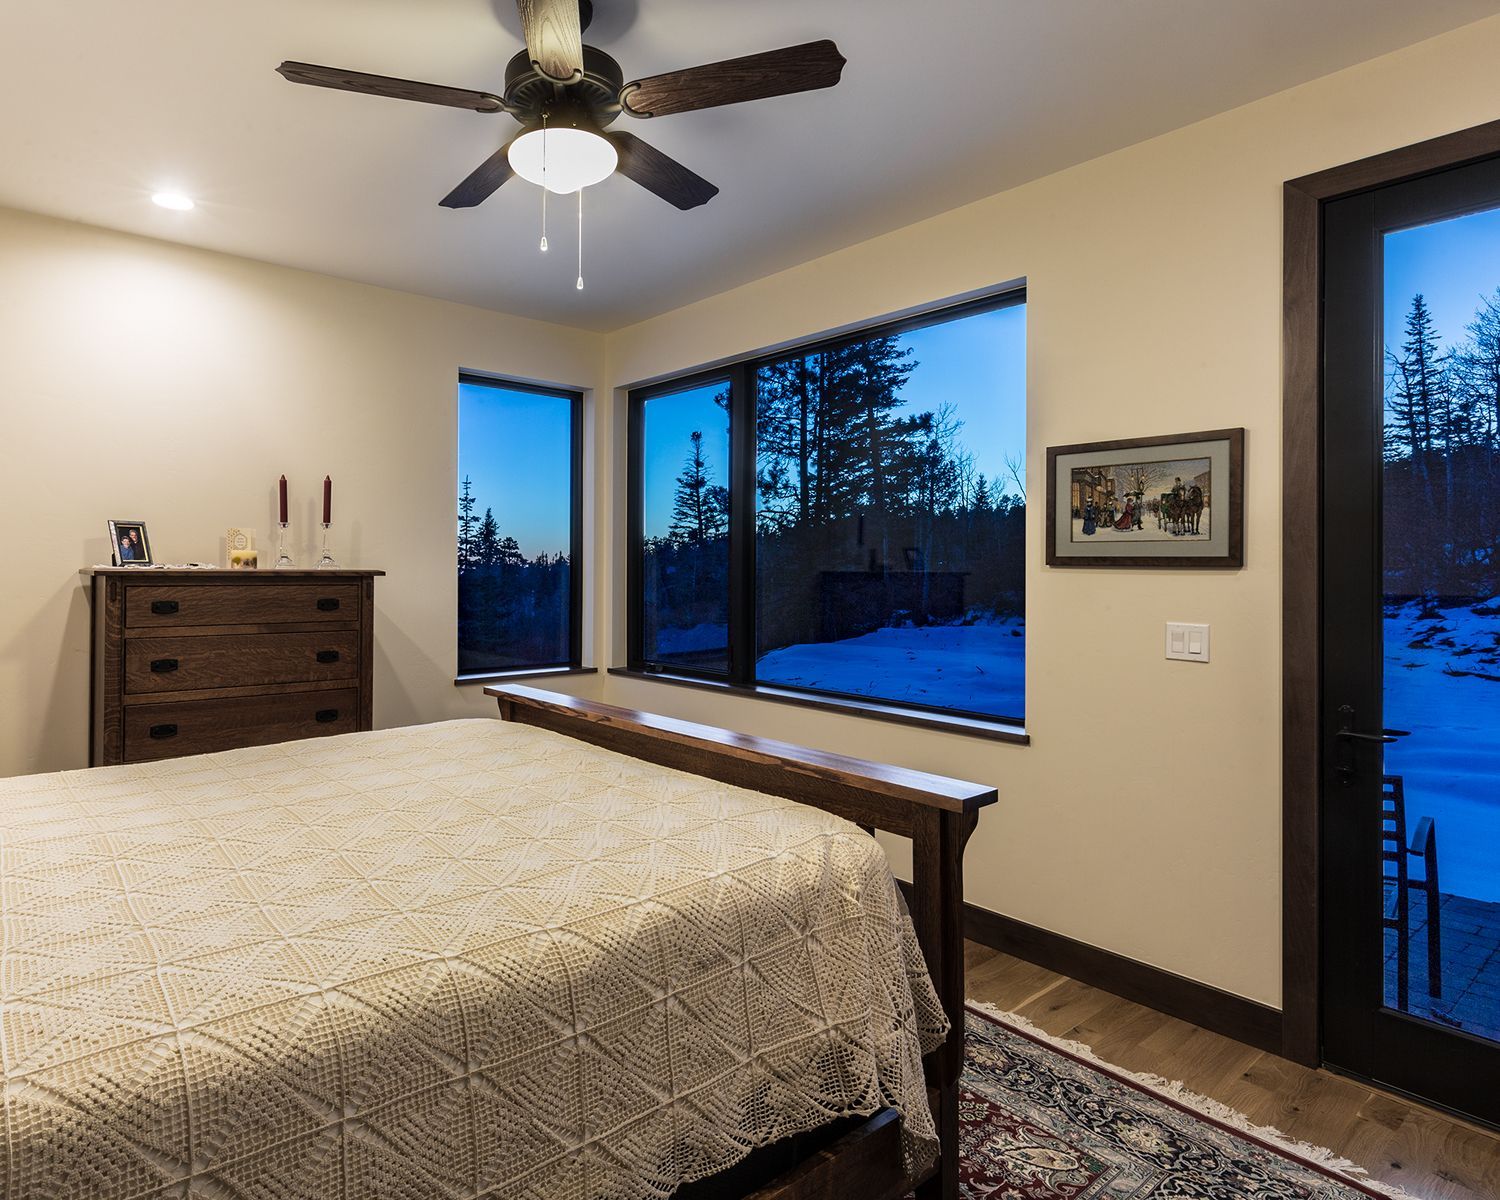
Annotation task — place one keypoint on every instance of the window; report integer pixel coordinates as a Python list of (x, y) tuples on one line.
[(519, 527), (685, 528), (867, 543)]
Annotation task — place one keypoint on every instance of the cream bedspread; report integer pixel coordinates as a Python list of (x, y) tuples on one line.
[(457, 960)]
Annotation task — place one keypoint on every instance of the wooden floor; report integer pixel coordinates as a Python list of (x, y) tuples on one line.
[(1430, 1155)]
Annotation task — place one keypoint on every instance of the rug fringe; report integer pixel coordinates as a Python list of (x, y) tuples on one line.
[(1173, 1089)]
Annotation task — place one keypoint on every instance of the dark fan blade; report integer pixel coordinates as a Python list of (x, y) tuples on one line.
[(384, 85), (657, 173), (554, 38), (754, 77), (483, 183)]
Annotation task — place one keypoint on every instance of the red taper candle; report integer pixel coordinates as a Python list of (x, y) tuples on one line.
[(282, 518), (327, 500)]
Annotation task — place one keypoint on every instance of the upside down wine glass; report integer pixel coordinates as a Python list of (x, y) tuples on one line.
[(326, 562), (283, 559)]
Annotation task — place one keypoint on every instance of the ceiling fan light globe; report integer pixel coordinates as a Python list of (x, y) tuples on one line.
[(576, 158)]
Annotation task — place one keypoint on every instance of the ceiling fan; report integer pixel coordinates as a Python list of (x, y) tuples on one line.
[(566, 94)]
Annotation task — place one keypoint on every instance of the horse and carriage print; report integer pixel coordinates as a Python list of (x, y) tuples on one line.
[(1147, 502), (1143, 500)]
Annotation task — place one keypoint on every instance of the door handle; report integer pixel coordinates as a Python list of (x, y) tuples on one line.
[(1346, 770), (163, 608), (328, 656), (328, 604), (163, 666)]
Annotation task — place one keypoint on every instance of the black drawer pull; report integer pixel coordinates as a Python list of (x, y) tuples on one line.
[(163, 666), (163, 731), (326, 716), (328, 604), (163, 608), (327, 656)]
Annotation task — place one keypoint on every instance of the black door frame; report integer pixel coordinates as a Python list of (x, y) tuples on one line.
[(1455, 1068), (1302, 412)]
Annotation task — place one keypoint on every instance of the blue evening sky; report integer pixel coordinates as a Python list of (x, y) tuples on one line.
[(517, 448), (976, 363), (670, 423), (1453, 263)]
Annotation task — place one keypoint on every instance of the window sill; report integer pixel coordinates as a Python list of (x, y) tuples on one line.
[(964, 726), (523, 673)]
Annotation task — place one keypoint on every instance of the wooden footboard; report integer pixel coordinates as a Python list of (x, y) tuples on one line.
[(935, 812)]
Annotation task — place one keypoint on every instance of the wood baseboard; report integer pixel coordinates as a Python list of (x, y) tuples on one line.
[(1247, 1021)]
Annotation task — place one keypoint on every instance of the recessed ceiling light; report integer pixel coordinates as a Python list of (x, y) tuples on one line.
[(176, 201)]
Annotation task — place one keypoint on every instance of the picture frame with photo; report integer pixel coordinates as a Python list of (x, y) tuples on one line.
[(129, 545), (1159, 502)]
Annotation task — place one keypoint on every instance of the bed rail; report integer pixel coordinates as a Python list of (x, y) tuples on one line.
[(935, 812)]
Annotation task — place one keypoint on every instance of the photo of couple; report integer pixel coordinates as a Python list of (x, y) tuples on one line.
[(128, 543)]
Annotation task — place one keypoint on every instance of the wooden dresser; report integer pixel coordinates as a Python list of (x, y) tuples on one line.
[(190, 661)]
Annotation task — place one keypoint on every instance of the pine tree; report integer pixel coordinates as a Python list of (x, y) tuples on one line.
[(1417, 395), (508, 553), (700, 509), (487, 542), (466, 523), (1418, 399), (982, 501), (827, 439)]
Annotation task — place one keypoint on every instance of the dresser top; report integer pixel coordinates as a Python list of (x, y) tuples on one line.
[(177, 574)]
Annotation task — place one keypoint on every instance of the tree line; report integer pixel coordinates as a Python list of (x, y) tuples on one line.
[(1442, 457), (865, 515), (512, 611)]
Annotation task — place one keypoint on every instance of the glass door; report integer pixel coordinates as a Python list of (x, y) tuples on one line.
[(1411, 637)]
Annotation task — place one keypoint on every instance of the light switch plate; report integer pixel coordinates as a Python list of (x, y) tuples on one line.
[(1188, 643)]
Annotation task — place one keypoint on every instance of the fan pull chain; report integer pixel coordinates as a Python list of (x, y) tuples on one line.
[(544, 183), (579, 285)]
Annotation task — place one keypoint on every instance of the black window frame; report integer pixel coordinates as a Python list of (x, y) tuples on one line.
[(741, 375), (574, 662)]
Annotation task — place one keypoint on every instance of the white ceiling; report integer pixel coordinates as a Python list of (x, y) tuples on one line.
[(104, 102)]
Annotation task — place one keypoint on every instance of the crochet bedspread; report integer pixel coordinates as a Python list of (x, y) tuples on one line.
[(470, 959)]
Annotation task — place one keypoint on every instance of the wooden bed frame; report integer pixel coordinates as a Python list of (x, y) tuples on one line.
[(864, 1161)]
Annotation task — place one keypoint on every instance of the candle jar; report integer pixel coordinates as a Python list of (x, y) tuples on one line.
[(283, 559), (326, 562)]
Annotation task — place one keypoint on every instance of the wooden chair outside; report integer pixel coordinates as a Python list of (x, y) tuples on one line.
[(1395, 852)]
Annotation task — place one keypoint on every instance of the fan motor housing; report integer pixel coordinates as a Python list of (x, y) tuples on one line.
[(530, 95)]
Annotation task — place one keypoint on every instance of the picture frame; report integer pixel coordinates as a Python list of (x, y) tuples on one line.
[(129, 545), (240, 553), (1172, 503)]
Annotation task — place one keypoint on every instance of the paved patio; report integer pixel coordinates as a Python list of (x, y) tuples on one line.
[(1471, 965)]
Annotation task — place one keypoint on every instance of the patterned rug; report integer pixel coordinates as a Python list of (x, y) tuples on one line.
[(1043, 1119)]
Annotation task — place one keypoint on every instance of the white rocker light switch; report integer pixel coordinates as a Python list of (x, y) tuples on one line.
[(1189, 643)]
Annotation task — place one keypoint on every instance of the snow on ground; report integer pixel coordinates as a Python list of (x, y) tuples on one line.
[(978, 668), (697, 639), (1451, 762)]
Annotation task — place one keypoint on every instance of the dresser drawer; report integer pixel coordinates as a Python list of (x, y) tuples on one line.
[(171, 730), (185, 664), (162, 606)]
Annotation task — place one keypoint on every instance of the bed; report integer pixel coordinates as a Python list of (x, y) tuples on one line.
[(578, 953)]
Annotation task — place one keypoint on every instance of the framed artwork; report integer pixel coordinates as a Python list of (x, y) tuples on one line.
[(1174, 502), (129, 544)]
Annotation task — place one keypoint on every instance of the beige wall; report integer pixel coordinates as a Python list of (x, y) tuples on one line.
[(1154, 277), (144, 380)]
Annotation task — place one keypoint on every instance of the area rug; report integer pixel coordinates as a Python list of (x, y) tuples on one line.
[(1045, 1119)]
